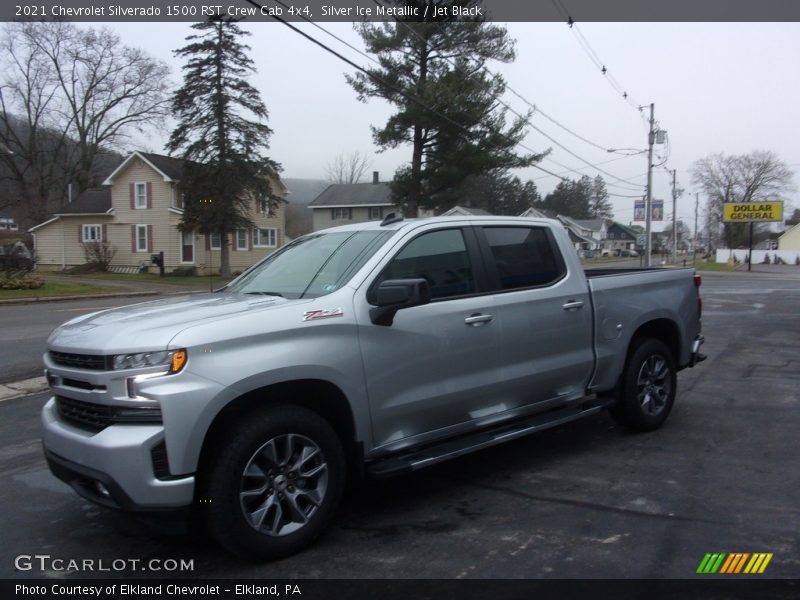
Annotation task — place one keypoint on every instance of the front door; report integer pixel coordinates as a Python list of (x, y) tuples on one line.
[(187, 247), (434, 369)]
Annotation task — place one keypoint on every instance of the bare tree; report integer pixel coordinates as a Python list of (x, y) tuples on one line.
[(348, 168), (84, 89), (754, 177)]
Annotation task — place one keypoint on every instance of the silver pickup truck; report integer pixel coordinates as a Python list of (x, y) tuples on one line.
[(374, 349)]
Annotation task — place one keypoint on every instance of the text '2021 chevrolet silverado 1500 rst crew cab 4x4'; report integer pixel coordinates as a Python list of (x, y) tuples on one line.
[(381, 346)]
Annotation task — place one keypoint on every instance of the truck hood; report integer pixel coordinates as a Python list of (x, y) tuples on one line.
[(151, 325)]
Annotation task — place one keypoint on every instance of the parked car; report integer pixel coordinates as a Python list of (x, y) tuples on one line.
[(374, 348), (629, 253)]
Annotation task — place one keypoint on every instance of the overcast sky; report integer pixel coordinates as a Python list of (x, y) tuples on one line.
[(728, 87)]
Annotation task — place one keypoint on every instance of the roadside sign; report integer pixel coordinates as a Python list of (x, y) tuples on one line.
[(735, 212), (640, 239)]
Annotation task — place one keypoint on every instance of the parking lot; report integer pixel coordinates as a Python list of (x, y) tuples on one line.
[(584, 500)]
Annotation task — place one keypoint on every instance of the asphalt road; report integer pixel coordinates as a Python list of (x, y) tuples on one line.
[(24, 329), (584, 500)]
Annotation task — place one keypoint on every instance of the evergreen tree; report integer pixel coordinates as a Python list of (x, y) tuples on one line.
[(599, 204), (497, 193), (447, 103), (570, 198), (221, 135)]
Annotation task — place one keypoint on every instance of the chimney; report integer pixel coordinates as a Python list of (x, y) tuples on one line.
[(375, 178)]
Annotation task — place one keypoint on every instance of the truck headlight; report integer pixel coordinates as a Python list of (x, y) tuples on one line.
[(173, 359)]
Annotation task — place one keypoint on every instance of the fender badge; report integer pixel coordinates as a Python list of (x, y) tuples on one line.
[(327, 313)]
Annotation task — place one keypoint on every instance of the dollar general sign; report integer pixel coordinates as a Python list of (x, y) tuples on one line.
[(756, 211)]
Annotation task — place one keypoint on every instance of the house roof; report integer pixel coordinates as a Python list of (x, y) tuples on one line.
[(92, 201), (593, 224), (169, 167), (631, 232), (539, 213), (466, 210), (339, 195)]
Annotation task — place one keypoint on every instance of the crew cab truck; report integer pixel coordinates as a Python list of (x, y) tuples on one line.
[(373, 348)]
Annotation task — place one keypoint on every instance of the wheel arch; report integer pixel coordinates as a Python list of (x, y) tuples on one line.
[(319, 396)]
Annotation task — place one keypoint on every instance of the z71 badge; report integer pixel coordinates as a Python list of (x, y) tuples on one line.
[(325, 313)]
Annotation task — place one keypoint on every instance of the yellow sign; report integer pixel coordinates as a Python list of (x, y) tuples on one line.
[(733, 212)]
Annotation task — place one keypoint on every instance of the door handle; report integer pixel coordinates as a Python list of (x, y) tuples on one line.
[(573, 305), (477, 320)]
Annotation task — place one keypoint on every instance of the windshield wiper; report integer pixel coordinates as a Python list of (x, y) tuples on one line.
[(264, 294)]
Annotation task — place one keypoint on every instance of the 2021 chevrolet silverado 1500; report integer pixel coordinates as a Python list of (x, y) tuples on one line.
[(381, 346)]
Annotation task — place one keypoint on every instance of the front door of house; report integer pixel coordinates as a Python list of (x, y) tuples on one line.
[(187, 247)]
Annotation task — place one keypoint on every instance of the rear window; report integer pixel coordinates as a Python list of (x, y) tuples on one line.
[(524, 256)]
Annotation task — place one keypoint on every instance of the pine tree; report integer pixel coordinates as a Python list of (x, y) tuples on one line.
[(570, 198), (221, 134), (599, 204), (447, 103)]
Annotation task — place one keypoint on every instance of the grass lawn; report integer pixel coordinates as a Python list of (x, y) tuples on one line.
[(193, 281), (57, 289), (712, 266)]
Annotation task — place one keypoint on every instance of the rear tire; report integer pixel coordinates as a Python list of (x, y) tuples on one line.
[(271, 482), (647, 387)]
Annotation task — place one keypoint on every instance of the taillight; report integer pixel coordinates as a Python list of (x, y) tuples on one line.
[(698, 281)]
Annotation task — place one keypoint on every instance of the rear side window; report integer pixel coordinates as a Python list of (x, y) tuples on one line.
[(439, 257), (524, 256)]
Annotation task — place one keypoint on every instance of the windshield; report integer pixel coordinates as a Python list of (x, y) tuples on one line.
[(311, 266)]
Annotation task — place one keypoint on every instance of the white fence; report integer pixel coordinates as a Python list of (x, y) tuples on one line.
[(788, 256)]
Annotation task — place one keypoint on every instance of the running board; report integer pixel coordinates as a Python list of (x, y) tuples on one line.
[(452, 448)]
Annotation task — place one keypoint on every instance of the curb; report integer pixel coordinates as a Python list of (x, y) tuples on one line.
[(17, 389), (34, 299)]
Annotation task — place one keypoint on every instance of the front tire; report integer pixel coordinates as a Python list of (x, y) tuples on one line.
[(647, 387), (272, 482)]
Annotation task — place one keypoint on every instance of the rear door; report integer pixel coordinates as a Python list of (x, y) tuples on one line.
[(435, 369), (544, 316)]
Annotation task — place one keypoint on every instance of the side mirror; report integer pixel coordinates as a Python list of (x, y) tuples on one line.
[(394, 294)]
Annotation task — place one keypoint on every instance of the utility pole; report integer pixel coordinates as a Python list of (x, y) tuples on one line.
[(651, 138), (674, 221), (694, 243)]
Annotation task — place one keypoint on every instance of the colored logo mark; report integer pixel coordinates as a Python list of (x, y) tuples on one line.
[(733, 563)]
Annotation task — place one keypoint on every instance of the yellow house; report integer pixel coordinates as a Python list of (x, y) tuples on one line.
[(138, 211), (790, 239)]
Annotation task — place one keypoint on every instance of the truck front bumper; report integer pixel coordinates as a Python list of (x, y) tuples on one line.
[(115, 467)]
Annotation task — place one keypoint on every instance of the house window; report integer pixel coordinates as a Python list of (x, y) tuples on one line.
[(92, 233), (341, 213), (375, 213), (215, 241), (140, 195), (263, 205), (241, 239), (265, 238), (141, 238)]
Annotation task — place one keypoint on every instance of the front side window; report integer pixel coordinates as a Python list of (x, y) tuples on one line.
[(311, 266), (524, 256), (140, 193), (375, 213), (215, 241), (141, 238), (92, 233), (241, 239), (439, 257), (341, 213), (265, 238)]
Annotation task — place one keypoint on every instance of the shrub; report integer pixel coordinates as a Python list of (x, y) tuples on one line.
[(766, 260), (99, 254), (25, 282), (183, 271)]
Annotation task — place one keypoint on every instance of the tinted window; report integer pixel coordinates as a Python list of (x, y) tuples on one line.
[(524, 256), (439, 257)]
